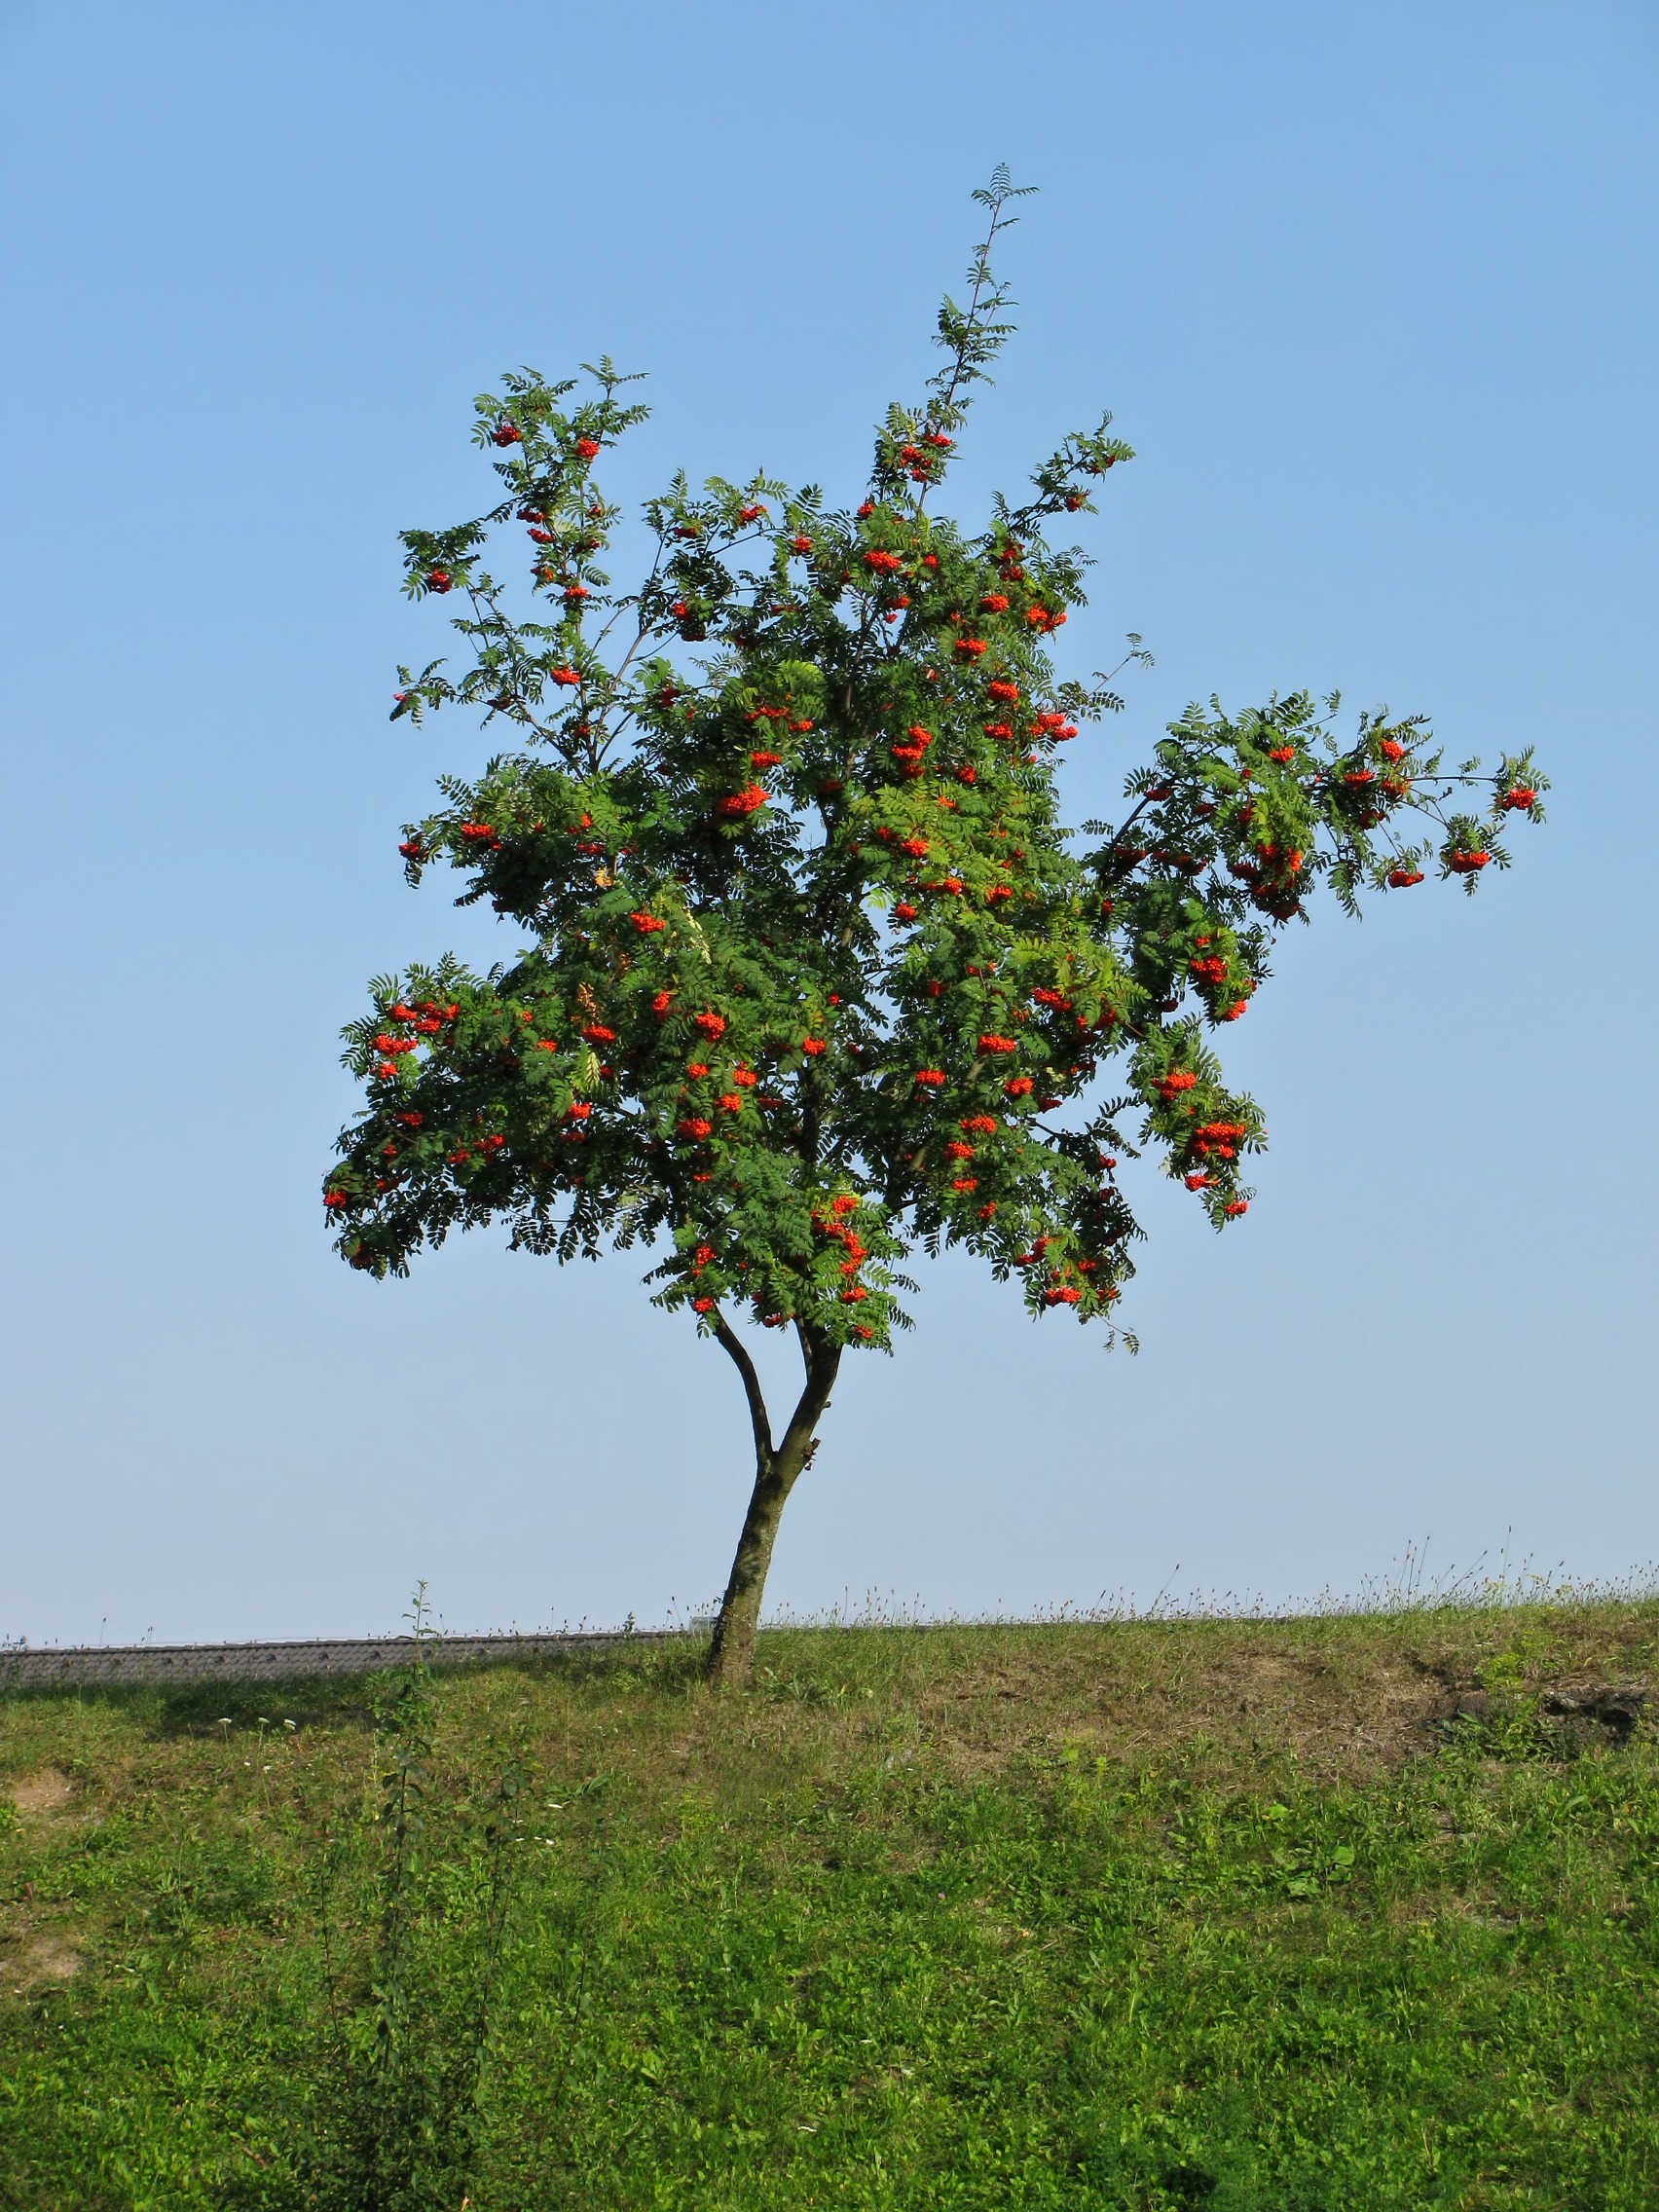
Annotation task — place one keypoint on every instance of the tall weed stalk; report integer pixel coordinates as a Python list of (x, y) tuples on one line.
[(408, 2034)]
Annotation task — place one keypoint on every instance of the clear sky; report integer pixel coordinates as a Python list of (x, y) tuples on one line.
[(1372, 290)]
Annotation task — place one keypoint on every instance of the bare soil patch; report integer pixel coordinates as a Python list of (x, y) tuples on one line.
[(48, 1792), (42, 1958)]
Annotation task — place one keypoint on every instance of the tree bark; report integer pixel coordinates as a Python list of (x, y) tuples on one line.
[(731, 1655)]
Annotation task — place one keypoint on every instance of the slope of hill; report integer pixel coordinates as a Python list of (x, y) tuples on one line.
[(1354, 1911)]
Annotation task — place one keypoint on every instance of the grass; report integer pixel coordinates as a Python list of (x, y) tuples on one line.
[(1134, 1916)]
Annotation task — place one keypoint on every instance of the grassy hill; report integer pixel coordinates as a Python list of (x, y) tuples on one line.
[(1142, 1915)]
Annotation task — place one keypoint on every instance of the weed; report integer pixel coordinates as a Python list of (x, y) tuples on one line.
[(405, 2052)]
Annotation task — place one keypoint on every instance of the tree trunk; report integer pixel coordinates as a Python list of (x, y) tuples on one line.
[(731, 1655)]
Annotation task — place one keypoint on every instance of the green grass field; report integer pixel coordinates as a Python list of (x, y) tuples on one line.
[(1137, 1915)]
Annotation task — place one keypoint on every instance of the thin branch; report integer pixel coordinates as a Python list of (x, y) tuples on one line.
[(744, 1366)]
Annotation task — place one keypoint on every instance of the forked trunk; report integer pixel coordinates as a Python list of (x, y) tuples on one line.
[(731, 1655)]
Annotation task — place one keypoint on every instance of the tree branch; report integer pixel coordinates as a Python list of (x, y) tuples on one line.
[(822, 1360), (744, 1366)]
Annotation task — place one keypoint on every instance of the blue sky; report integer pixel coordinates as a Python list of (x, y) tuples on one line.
[(1371, 290)]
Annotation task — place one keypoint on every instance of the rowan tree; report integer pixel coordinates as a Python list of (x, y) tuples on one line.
[(813, 972)]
